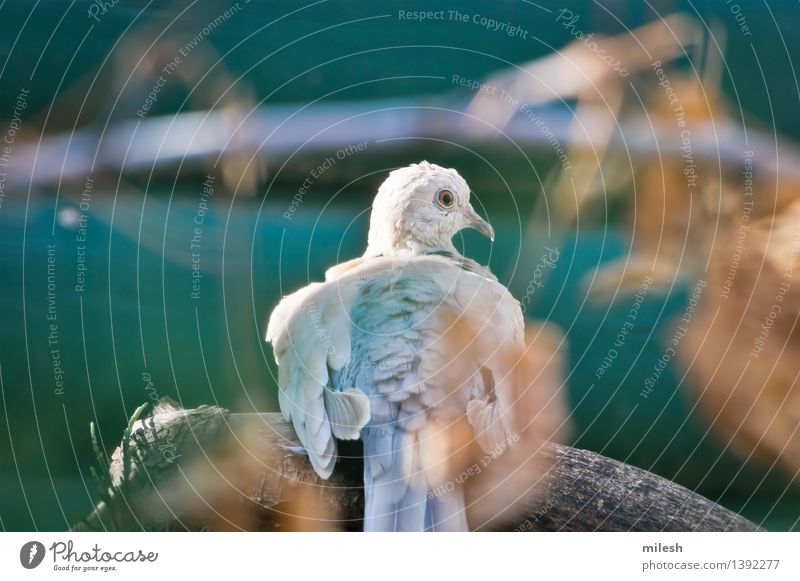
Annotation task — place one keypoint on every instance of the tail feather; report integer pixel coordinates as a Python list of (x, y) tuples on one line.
[(446, 512), (397, 494)]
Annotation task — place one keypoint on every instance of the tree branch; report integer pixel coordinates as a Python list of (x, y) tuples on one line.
[(207, 468)]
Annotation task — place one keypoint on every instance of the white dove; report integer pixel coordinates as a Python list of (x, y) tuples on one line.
[(366, 353)]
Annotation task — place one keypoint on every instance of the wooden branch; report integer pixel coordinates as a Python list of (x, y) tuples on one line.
[(207, 468)]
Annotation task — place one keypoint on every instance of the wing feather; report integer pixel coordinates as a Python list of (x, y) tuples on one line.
[(312, 335)]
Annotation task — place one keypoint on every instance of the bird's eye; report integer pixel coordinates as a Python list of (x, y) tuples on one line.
[(446, 199)]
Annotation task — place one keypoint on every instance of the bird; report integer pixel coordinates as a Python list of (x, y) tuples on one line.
[(408, 348)]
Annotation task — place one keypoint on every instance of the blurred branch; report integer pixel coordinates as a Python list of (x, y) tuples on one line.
[(277, 132), (207, 468), (576, 72)]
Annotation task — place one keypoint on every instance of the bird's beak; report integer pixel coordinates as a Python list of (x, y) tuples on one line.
[(475, 221)]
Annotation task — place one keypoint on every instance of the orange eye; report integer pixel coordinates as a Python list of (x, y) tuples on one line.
[(446, 199)]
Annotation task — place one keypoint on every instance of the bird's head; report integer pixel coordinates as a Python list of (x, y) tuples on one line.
[(420, 208)]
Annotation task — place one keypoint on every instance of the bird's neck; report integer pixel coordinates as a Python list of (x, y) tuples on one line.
[(409, 251), (409, 247)]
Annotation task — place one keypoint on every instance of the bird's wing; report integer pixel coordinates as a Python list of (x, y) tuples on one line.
[(311, 333), (492, 345)]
